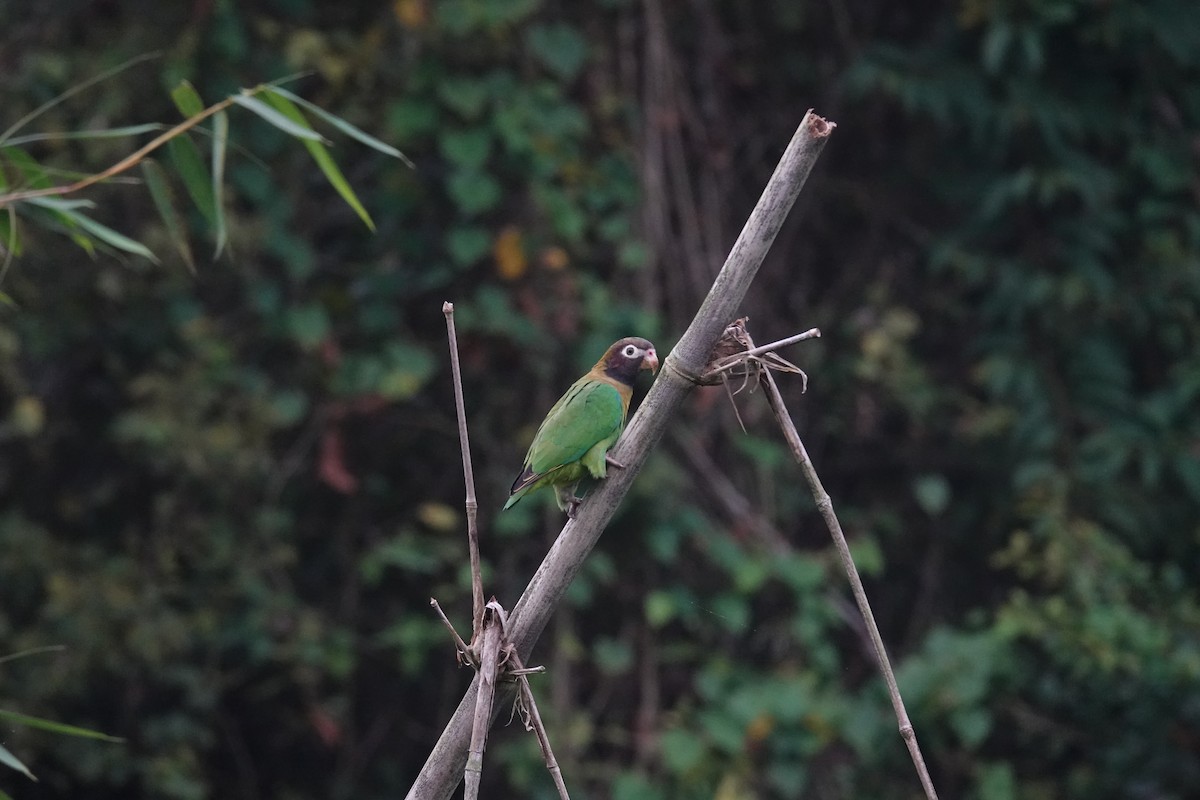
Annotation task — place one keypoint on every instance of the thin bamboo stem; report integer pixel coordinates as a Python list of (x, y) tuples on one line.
[(472, 505), (825, 507)]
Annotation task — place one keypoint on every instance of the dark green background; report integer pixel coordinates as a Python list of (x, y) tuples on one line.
[(230, 496)]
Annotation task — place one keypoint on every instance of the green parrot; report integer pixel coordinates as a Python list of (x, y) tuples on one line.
[(574, 438)]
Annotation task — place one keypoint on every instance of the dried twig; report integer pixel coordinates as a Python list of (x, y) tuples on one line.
[(465, 654), (736, 355), (811, 333), (532, 720), (468, 475), (825, 506)]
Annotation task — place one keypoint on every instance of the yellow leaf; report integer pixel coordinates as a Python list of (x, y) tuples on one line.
[(28, 415), (509, 254), (438, 516), (412, 14), (555, 259), (734, 787), (760, 728)]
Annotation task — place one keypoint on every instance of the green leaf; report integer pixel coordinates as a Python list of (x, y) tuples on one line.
[(560, 47), (32, 171), (972, 725), (115, 239), (343, 126), (932, 493), (412, 118), (164, 201), (466, 96), (867, 555), (995, 46), (56, 727), (293, 125), (187, 159), (102, 232), (997, 782), (659, 608), (468, 149), (630, 786), (74, 90), (60, 203), (102, 133), (10, 760), (321, 155), (309, 324), (408, 369), (10, 236), (187, 100), (48, 211), (474, 192), (467, 245), (612, 656), (1187, 469), (802, 573), (220, 139), (732, 611), (682, 751)]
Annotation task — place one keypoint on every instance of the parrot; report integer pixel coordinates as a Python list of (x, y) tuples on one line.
[(576, 435)]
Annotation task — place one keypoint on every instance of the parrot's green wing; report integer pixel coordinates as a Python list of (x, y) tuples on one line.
[(590, 412)]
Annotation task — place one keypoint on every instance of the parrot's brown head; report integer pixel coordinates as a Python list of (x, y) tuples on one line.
[(626, 357)]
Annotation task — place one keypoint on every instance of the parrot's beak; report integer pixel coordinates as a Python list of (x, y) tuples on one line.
[(650, 362)]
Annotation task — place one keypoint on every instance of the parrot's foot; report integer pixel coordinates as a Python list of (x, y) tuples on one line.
[(573, 506), (612, 462)]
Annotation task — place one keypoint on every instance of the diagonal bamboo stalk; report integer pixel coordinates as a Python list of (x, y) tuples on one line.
[(681, 370)]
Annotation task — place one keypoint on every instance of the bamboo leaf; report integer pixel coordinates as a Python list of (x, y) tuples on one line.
[(33, 651), (56, 727), (164, 201), (293, 125), (10, 760), (60, 203), (76, 89), (343, 126), (220, 139), (102, 133), (11, 239), (325, 161), (187, 100), (29, 168), (109, 237), (186, 155), (55, 218), (12, 246)]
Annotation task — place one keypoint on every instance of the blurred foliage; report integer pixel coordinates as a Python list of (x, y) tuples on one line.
[(230, 496)]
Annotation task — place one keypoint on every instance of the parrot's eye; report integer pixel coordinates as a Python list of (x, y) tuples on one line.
[(630, 351)]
